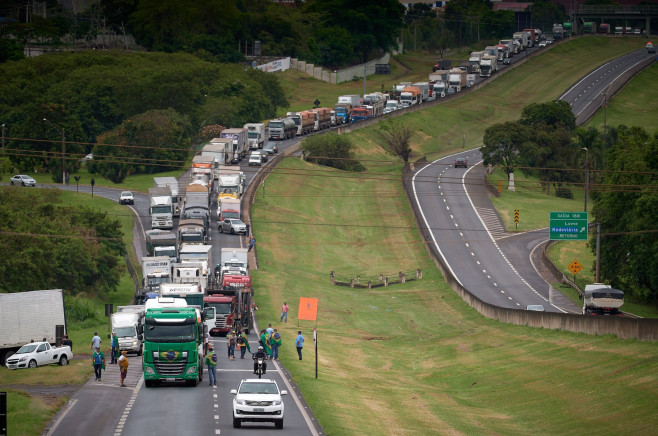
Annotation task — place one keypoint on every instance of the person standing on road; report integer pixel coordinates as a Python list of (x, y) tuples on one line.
[(231, 341), (299, 343), (252, 242), (115, 348), (265, 342), (123, 367), (284, 312), (275, 341), (96, 342), (244, 344), (269, 330), (98, 361), (211, 363)]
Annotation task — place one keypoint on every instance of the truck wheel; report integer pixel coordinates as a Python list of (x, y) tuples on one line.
[(33, 363), (63, 361), (148, 383), (237, 423), (278, 424)]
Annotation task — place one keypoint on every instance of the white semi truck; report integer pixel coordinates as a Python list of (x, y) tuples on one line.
[(161, 208), (255, 135)]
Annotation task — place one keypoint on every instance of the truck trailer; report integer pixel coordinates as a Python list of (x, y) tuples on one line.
[(30, 316), (600, 299), (255, 135)]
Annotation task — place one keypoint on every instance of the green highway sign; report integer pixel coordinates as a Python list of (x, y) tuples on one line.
[(568, 226)]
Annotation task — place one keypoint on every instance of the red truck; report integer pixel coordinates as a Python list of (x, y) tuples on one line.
[(239, 287), (225, 311)]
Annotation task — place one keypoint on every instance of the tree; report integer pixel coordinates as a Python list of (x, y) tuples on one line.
[(503, 143), (373, 24), (627, 213), (397, 135), (553, 113), (331, 150)]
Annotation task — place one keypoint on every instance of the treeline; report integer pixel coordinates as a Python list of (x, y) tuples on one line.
[(623, 165), (326, 32), (45, 245), (161, 102)]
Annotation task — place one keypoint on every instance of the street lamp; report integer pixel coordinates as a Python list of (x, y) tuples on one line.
[(586, 175), (63, 150)]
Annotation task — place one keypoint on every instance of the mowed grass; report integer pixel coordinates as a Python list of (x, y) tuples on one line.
[(634, 105), (413, 358)]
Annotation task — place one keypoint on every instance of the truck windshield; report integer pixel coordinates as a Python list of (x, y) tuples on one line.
[(229, 189), (125, 332), (161, 209), (252, 135), (220, 308), (190, 237), (169, 252), (275, 124), (231, 215), (154, 282), (169, 333)]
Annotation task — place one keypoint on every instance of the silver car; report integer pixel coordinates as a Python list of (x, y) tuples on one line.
[(23, 180), (233, 226)]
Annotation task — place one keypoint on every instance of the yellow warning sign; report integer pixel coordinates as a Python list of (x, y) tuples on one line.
[(575, 267)]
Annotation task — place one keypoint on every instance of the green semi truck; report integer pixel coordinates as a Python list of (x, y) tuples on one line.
[(173, 345)]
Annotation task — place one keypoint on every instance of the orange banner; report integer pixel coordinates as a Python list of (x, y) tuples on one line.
[(308, 309)]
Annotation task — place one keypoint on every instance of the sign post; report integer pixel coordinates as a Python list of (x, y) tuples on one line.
[(575, 268), (568, 226)]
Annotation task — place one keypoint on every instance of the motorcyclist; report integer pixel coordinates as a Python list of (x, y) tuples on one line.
[(260, 354)]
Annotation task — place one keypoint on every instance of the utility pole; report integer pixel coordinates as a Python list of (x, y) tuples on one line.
[(3, 139), (586, 175), (63, 157)]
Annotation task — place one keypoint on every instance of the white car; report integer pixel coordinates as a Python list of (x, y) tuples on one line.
[(255, 158), (23, 180), (258, 400), (39, 353), (126, 197)]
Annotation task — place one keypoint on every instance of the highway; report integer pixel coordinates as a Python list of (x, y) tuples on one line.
[(174, 408), (462, 228)]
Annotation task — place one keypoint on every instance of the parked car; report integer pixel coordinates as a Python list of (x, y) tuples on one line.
[(39, 353), (233, 226), (270, 147), (258, 400), (23, 180), (461, 162), (126, 197)]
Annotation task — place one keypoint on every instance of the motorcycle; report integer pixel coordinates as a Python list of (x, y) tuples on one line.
[(259, 369)]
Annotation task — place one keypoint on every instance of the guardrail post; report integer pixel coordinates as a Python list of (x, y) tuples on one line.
[(381, 279), (358, 280), (351, 283), (385, 281), (369, 285), (403, 278), (332, 278)]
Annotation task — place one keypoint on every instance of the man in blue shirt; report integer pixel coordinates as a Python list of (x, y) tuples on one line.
[(299, 343)]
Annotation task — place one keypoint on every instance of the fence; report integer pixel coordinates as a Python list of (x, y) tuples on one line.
[(339, 76), (382, 281)]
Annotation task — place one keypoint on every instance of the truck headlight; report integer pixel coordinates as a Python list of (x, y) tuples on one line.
[(148, 370), (191, 370)]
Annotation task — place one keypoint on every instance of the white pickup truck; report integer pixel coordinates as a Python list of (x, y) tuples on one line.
[(39, 353)]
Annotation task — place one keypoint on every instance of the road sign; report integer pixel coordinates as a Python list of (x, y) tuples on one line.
[(500, 186), (516, 215), (568, 226), (575, 267)]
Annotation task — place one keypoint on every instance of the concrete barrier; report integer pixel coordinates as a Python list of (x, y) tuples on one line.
[(642, 329)]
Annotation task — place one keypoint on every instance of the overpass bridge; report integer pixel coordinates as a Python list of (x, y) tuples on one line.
[(607, 13)]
